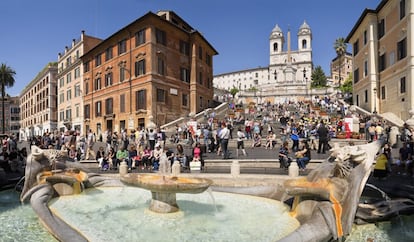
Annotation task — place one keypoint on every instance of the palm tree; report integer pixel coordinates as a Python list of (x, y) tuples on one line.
[(340, 49), (7, 80)]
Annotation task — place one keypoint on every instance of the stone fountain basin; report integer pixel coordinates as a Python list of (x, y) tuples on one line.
[(67, 182), (166, 183)]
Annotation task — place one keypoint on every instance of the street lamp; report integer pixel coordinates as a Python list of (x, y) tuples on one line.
[(375, 100)]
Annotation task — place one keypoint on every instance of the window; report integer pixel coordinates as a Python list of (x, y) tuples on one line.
[(402, 85), (161, 95), (140, 67), (201, 102), (140, 37), (356, 76), (61, 98), (86, 88), (208, 59), (97, 84), (98, 109), (304, 44), (366, 96), (98, 60), (275, 47), (200, 78), (121, 74), (68, 94), (382, 62), (402, 49), (383, 92), (184, 48), (121, 46), (200, 52), (77, 90), (161, 66), (356, 47), (392, 58), (109, 106), (68, 77), (122, 103), (381, 28), (141, 99), (68, 114), (208, 83), (69, 61), (184, 100), (365, 68), (185, 75), (61, 82), (108, 79), (160, 37), (108, 54), (87, 111), (365, 37), (77, 72), (77, 110), (402, 9), (62, 115), (86, 66)]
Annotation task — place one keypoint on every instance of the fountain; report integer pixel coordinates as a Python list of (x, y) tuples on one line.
[(324, 203), (54, 196), (164, 188)]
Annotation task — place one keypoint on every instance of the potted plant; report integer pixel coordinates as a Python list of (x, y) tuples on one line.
[(355, 135), (341, 135)]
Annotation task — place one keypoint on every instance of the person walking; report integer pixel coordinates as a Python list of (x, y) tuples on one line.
[(323, 134), (240, 142), (224, 137), (90, 141)]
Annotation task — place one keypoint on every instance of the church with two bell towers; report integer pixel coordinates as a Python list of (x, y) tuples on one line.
[(287, 78)]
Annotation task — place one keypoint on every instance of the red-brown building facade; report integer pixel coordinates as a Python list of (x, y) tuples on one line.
[(156, 66)]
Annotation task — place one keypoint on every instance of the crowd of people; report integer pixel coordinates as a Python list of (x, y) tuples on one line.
[(12, 159), (292, 129)]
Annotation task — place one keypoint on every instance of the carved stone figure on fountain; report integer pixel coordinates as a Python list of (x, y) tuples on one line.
[(325, 201)]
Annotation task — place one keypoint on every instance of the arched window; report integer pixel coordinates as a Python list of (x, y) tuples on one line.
[(304, 44), (275, 47)]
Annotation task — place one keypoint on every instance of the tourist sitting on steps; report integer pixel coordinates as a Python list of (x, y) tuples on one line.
[(284, 158), (157, 155), (303, 155), (197, 156)]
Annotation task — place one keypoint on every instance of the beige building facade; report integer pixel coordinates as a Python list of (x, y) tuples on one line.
[(383, 64), (70, 83), (341, 68), (38, 104)]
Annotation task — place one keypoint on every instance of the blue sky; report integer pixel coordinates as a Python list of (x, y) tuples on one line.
[(34, 32)]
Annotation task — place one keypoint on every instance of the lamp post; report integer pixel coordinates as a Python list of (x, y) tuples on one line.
[(375, 100)]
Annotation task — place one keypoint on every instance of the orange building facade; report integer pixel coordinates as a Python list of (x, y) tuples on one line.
[(156, 66)]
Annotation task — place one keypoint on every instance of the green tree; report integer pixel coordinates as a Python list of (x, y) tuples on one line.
[(7, 80), (234, 91), (347, 85), (340, 49), (347, 89), (318, 78)]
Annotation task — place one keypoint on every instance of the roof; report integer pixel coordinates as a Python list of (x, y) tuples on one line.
[(159, 15), (362, 17)]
